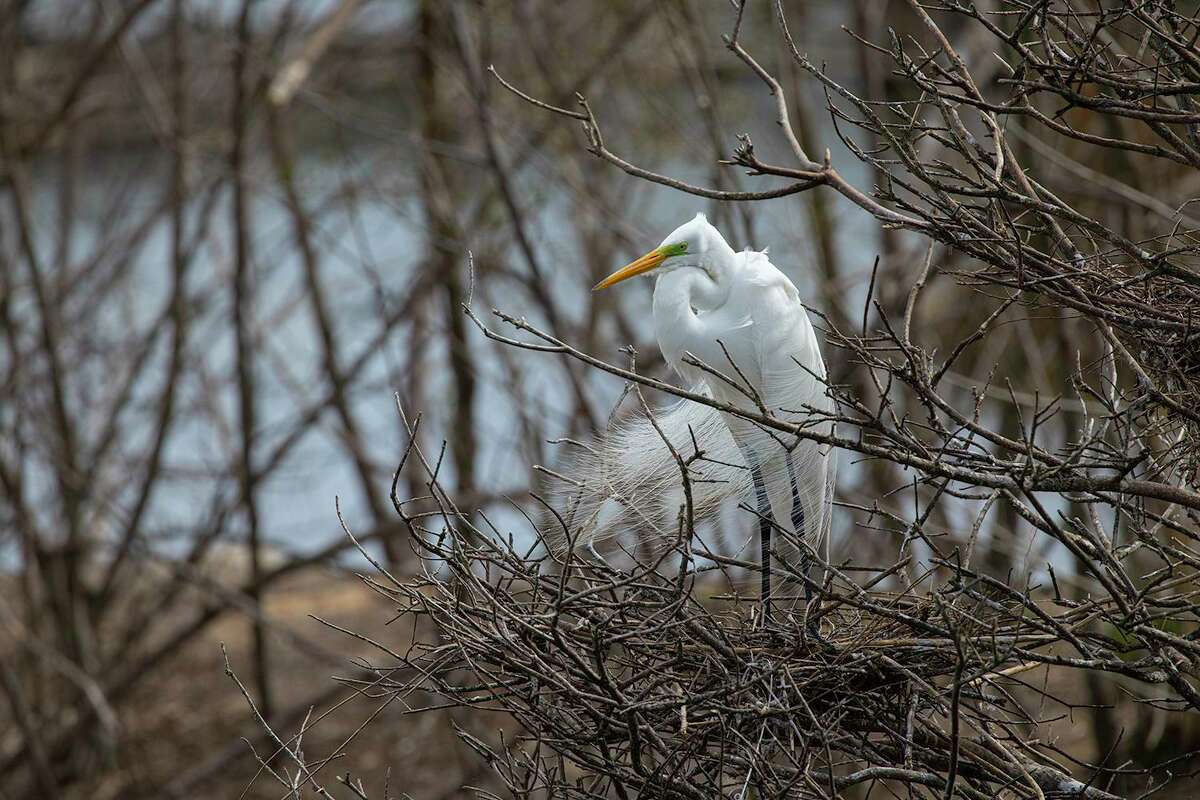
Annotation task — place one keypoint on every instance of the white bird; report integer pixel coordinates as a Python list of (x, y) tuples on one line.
[(739, 316)]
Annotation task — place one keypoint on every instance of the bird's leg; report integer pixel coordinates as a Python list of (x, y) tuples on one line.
[(798, 528), (806, 560), (764, 539)]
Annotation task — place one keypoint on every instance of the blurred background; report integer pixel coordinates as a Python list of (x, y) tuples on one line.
[(234, 241)]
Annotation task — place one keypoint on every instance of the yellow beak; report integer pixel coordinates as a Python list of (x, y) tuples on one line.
[(643, 264)]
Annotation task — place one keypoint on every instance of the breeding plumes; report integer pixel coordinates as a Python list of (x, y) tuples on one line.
[(733, 327)]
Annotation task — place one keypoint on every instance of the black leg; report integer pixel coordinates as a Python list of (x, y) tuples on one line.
[(798, 527), (806, 568), (764, 539), (806, 561)]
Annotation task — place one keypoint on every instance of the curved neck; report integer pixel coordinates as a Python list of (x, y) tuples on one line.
[(680, 294), (705, 278)]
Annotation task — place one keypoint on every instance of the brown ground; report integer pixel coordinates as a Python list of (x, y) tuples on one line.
[(185, 733)]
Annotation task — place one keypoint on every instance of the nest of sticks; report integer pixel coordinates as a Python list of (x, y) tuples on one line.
[(645, 681)]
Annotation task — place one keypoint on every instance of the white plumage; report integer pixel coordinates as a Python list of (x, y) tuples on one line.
[(738, 315)]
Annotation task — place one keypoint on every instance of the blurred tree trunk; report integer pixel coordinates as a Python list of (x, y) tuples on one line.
[(243, 313), (440, 125)]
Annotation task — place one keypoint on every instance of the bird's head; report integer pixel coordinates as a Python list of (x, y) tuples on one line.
[(695, 243)]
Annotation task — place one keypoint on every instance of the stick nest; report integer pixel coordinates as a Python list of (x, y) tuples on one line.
[(645, 680)]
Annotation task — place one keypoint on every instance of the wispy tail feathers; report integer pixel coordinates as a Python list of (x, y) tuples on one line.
[(627, 484)]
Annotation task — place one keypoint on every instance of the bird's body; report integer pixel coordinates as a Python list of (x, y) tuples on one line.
[(733, 327), (758, 336)]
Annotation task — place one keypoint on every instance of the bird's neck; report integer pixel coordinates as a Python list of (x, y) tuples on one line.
[(705, 284), (683, 293)]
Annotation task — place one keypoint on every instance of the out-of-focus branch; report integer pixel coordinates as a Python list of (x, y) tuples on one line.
[(295, 72), (243, 321)]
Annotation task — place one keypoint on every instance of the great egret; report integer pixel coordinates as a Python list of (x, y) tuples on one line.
[(739, 316)]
